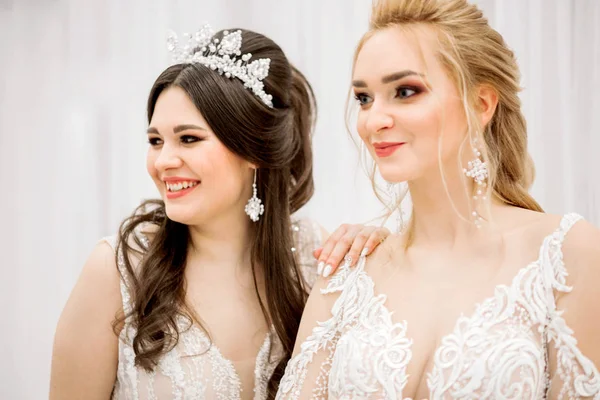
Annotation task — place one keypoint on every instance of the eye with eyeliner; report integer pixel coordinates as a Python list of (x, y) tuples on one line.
[(184, 139), (407, 91), (361, 98), (189, 139), (154, 141), (403, 92)]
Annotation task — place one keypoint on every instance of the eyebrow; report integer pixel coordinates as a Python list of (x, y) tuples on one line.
[(178, 128), (388, 78)]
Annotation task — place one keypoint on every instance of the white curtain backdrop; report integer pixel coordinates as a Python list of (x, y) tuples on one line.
[(74, 76)]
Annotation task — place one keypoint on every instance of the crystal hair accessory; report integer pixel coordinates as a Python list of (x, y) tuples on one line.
[(223, 56)]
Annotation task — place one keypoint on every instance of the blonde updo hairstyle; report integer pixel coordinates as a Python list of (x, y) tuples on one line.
[(473, 54)]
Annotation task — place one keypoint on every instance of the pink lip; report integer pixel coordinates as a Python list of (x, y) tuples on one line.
[(180, 193), (386, 149)]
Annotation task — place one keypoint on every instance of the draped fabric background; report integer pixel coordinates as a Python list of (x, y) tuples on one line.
[(74, 76)]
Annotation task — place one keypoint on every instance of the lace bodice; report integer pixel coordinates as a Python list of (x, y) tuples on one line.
[(195, 368), (501, 351)]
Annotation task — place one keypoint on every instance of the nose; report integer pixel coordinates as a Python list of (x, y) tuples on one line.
[(168, 158), (379, 118)]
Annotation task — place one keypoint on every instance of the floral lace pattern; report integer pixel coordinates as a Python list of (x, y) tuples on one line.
[(195, 368), (499, 352)]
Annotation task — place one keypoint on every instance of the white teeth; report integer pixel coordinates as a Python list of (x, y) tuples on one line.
[(175, 187)]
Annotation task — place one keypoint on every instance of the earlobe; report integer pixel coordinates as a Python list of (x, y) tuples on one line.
[(487, 101)]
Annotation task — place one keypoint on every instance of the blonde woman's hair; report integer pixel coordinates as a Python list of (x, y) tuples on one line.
[(474, 54)]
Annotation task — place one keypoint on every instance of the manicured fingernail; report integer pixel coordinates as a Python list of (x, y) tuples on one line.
[(320, 267), (327, 271), (364, 252)]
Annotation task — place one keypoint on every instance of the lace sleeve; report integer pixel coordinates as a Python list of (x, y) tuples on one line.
[(335, 303), (307, 237), (572, 375)]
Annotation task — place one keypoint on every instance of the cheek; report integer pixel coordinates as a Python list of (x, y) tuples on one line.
[(223, 168), (361, 128), (424, 123), (150, 162), (452, 127), (421, 120), (362, 131), (212, 161)]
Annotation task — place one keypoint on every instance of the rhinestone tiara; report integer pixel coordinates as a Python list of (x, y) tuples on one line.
[(223, 56)]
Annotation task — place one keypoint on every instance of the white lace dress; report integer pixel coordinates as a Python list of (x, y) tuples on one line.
[(195, 368), (499, 352)]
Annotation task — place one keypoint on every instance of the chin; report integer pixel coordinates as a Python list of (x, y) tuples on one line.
[(395, 175), (181, 213), (401, 169)]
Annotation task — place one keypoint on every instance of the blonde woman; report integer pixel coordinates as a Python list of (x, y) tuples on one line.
[(483, 296)]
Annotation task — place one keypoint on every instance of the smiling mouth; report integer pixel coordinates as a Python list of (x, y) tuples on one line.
[(179, 186)]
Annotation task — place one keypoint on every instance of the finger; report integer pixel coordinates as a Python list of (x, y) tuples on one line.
[(351, 255), (360, 243), (376, 238), (317, 252), (329, 245), (350, 244), (367, 239)]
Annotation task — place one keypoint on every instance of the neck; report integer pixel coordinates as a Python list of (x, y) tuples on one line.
[(442, 207), (224, 241)]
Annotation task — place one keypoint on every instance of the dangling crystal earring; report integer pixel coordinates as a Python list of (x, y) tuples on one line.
[(254, 208), (393, 193), (478, 171)]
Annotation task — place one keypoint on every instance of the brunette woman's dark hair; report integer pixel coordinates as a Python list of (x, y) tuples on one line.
[(278, 141)]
